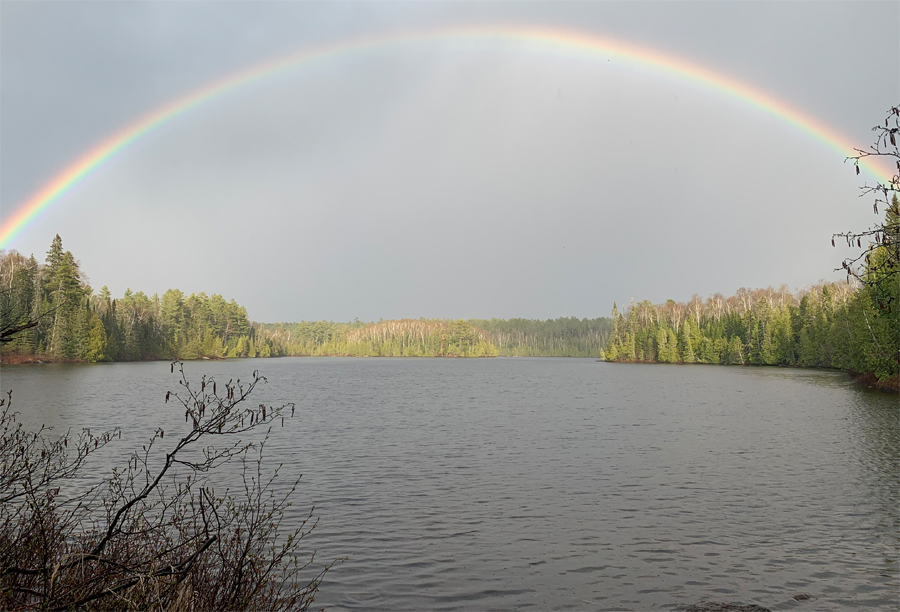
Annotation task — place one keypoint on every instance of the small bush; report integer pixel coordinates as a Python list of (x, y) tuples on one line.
[(155, 535)]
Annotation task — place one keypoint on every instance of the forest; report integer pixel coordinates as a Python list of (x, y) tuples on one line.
[(850, 326), (65, 320), (51, 313)]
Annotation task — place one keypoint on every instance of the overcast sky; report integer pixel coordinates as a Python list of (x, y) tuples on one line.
[(443, 179)]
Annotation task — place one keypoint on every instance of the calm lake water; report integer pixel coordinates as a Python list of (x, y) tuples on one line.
[(561, 484)]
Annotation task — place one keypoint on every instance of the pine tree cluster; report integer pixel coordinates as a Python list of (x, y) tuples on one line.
[(75, 324)]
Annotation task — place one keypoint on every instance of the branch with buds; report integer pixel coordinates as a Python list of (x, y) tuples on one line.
[(879, 261)]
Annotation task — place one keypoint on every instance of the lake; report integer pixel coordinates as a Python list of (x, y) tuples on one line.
[(553, 484)]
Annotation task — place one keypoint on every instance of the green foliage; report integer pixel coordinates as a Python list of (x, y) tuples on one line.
[(96, 342)]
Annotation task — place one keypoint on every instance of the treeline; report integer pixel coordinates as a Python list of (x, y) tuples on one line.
[(832, 325), (64, 320), (836, 325), (563, 337), (396, 338)]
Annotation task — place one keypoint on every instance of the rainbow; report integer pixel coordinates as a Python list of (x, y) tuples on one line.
[(564, 42)]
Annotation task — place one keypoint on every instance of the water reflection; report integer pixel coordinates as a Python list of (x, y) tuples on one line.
[(875, 437)]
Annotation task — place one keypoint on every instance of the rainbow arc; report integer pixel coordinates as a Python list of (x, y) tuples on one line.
[(542, 39)]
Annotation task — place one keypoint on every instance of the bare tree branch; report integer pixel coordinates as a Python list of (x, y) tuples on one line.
[(878, 263)]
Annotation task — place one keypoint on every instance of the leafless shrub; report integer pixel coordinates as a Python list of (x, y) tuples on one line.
[(156, 534)]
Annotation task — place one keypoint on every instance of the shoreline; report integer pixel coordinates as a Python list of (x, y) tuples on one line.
[(865, 379), (45, 360), (889, 385)]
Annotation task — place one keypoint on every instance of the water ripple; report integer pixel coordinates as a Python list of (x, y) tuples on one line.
[(556, 484)]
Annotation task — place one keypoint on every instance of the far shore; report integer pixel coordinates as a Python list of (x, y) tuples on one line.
[(46, 359)]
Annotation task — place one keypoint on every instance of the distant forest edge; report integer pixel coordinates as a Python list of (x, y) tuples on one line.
[(76, 324), (564, 337), (834, 325)]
